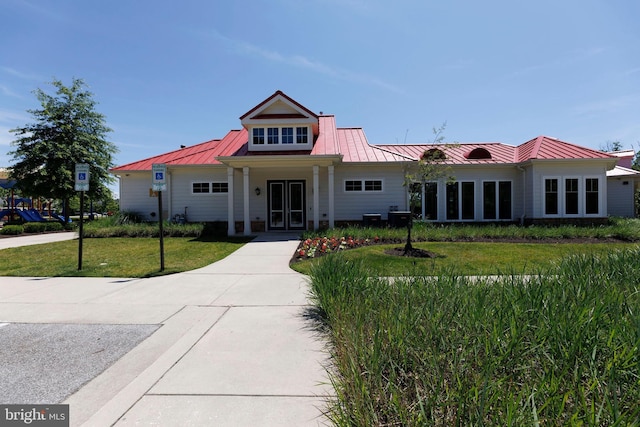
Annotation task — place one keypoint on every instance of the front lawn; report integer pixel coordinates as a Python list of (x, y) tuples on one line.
[(115, 256), (467, 258)]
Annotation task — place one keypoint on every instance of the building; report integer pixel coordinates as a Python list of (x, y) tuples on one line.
[(289, 168)]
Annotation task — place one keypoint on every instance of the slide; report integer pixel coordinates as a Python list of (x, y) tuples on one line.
[(36, 215), (30, 215)]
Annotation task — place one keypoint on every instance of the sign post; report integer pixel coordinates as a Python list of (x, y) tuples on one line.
[(159, 184), (81, 185)]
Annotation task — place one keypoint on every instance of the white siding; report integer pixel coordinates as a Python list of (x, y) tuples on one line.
[(136, 196), (199, 207), (620, 197), (350, 206)]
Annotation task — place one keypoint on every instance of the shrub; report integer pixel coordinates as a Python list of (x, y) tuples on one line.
[(12, 230), (105, 228), (42, 227)]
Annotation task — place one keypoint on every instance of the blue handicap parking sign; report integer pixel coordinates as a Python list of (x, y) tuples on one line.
[(82, 176), (159, 176)]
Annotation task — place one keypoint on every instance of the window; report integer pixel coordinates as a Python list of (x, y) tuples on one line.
[(461, 200), (280, 135), (219, 187), (478, 154), (431, 201), (551, 196), (287, 135), (571, 204), (452, 201), (468, 211), (301, 135), (209, 187), (504, 200), (258, 135), (200, 187), (363, 185), (273, 135), (372, 185), (591, 196), (496, 200)]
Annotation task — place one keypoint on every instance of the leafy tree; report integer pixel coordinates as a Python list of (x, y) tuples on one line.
[(611, 146), (432, 166), (67, 131), (635, 164)]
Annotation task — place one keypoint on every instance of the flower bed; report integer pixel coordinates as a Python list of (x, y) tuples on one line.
[(318, 246)]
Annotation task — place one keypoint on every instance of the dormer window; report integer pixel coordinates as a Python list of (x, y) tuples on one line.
[(302, 135), (258, 136), (478, 154), (434, 155), (273, 135), (285, 135), (280, 124)]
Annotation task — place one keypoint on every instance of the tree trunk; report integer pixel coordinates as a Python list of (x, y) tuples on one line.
[(408, 247)]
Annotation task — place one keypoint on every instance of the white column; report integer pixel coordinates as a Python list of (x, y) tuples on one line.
[(245, 195), (231, 227), (331, 193), (316, 198)]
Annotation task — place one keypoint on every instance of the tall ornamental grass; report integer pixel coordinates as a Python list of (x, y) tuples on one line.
[(625, 229), (556, 348)]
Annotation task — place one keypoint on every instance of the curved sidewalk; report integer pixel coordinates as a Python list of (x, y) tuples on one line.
[(235, 346)]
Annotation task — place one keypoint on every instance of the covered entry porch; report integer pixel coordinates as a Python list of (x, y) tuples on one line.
[(280, 193)]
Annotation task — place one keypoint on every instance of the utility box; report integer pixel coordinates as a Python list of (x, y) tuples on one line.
[(398, 219), (371, 220)]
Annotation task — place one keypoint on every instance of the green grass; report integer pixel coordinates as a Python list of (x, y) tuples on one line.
[(115, 257), (467, 258), (557, 348)]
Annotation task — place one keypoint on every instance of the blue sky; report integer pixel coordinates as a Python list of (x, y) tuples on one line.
[(167, 73)]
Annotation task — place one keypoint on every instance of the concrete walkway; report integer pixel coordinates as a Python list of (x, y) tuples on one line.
[(234, 347)]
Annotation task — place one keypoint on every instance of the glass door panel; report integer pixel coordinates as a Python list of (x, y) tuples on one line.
[(296, 205), (276, 205)]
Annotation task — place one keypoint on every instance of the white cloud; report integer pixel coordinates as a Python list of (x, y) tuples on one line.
[(8, 92), (610, 105), (21, 74), (562, 61), (301, 61), (7, 116)]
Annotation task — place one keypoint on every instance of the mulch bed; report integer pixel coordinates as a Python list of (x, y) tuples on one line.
[(413, 253)]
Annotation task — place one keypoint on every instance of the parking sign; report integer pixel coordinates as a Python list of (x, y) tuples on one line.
[(159, 174), (82, 177)]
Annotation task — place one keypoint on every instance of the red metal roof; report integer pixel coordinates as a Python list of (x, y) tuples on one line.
[(204, 153), (547, 148), (540, 148), (458, 153)]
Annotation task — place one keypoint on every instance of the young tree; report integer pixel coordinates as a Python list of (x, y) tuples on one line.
[(67, 131), (432, 166)]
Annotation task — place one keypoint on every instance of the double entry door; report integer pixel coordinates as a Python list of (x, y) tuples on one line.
[(286, 204)]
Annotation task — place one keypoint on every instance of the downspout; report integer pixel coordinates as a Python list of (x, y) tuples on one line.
[(524, 193), (170, 198)]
